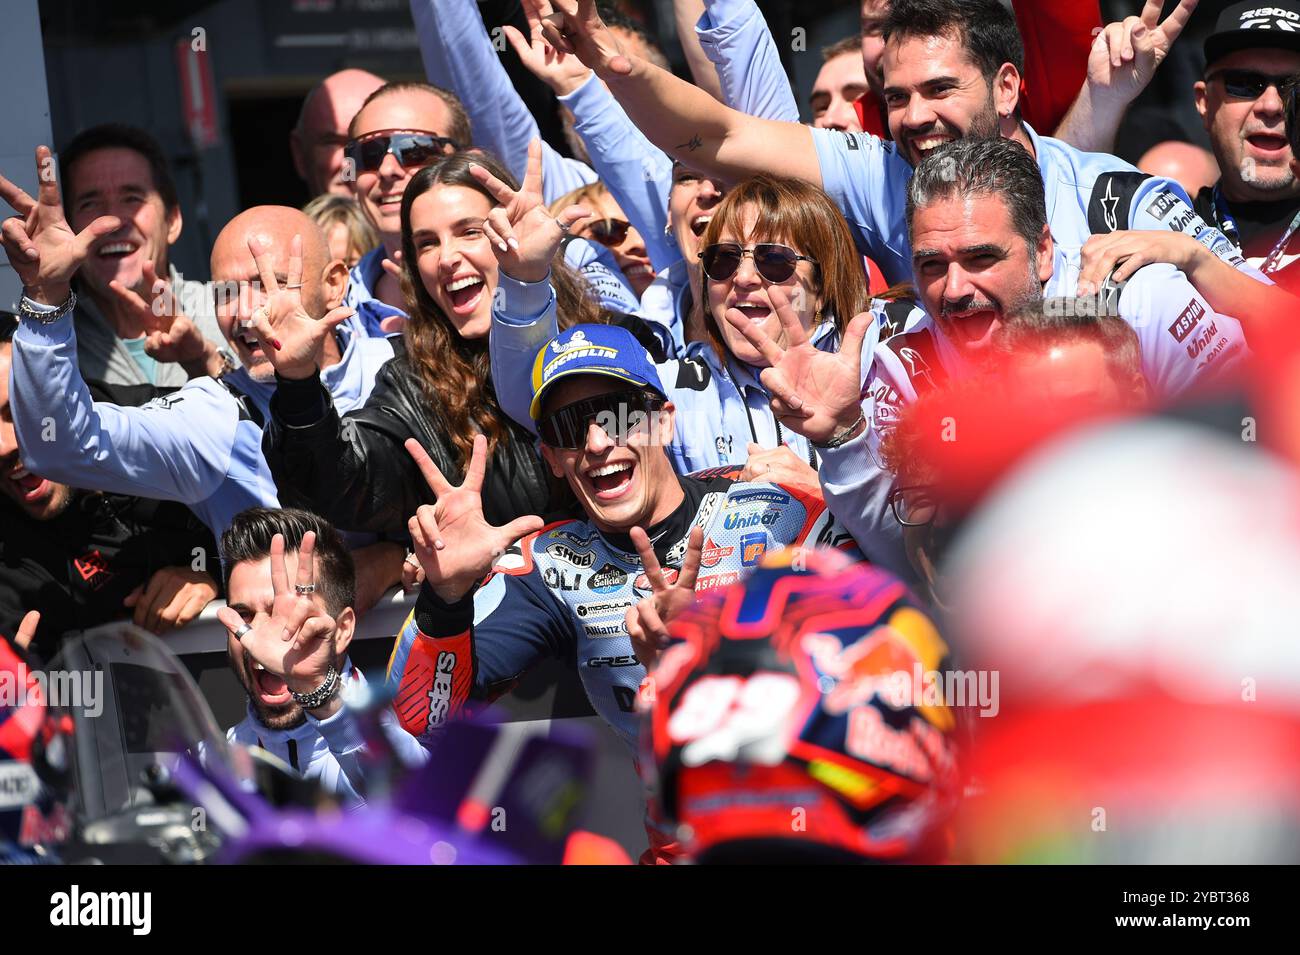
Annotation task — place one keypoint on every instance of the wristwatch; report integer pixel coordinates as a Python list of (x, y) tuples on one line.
[(843, 436), (321, 695), (28, 308)]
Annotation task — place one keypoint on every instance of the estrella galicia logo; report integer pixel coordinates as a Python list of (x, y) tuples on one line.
[(607, 580), (752, 548)]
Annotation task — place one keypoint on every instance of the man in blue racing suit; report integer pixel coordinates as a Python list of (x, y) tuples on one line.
[(566, 588)]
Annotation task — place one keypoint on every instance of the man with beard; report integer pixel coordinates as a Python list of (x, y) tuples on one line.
[(1249, 59), (982, 247), (952, 70), (288, 645), (983, 250)]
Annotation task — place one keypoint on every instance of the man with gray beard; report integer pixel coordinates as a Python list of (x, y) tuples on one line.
[(1250, 61)]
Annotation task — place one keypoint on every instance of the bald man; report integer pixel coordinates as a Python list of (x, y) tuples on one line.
[(200, 445), (318, 138), (1192, 167)]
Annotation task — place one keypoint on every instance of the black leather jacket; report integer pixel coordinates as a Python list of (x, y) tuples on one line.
[(356, 473)]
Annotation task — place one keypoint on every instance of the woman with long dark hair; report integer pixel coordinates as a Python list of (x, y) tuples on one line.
[(353, 470)]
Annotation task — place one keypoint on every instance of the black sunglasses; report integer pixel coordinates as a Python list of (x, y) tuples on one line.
[(774, 262), (408, 148), (1248, 84), (913, 506), (610, 232), (619, 413)]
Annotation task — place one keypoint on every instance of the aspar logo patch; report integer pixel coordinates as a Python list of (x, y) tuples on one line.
[(1187, 320), (1160, 206), (75, 908)]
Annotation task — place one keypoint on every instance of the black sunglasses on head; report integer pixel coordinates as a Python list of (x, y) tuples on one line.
[(619, 413), (1248, 84), (775, 262), (410, 149)]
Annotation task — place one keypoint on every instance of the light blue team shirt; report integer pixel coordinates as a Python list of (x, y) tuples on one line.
[(867, 178), (200, 445), (135, 348)]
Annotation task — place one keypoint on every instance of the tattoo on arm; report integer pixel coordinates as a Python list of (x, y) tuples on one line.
[(692, 144)]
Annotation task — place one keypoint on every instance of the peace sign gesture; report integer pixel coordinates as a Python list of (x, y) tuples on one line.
[(524, 234), (452, 539), (814, 393), (41, 246), (574, 26), (647, 621), (1125, 55), (297, 640), (292, 340)]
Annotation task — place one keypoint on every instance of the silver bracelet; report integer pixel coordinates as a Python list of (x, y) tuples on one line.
[(843, 436), (29, 308), (321, 695)]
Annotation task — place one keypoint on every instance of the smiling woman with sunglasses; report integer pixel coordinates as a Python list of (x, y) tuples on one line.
[(766, 233), (608, 226)]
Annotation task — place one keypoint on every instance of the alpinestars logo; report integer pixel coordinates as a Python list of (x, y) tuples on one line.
[(440, 692)]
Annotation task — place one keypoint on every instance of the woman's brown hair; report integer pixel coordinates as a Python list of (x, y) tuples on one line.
[(797, 212), (454, 372)]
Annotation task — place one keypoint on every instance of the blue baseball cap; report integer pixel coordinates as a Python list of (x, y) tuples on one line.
[(592, 350)]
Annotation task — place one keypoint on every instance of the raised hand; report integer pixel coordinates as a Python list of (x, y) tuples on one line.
[(27, 629), (574, 26), (523, 233), (777, 465), (291, 339), (452, 539), (562, 72), (1117, 255), (169, 335), (173, 597), (814, 393), (296, 641), (1126, 54), (41, 246), (647, 622)]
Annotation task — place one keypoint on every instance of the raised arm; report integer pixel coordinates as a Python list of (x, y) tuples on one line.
[(1122, 62), (681, 119), (150, 451), (686, 14), (458, 55), (735, 37)]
